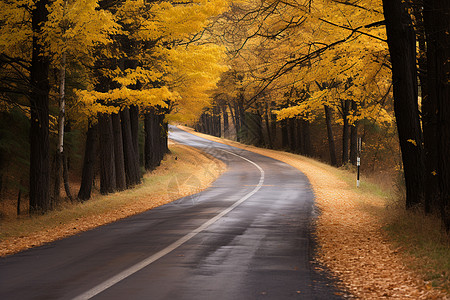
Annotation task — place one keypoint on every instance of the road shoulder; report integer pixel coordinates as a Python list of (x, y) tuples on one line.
[(351, 242)]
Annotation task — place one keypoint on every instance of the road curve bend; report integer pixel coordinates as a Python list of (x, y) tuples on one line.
[(248, 236)]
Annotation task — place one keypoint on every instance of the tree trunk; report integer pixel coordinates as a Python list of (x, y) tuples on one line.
[(292, 135), (226, 125), (107, 155), (134, 120), (121, 183), (132, 173), (345, 131), (437, 24), (331, 145), (150, 147), (354, 137), (66, 176), (284, 134), (429, 119), (39, 116), (306, 138), (90, 154), (268, 126), (402, 48)]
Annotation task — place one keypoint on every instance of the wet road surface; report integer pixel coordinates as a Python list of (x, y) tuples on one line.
[(248, 236)]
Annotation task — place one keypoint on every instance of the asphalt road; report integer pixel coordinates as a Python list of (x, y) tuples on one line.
[(248, 236)]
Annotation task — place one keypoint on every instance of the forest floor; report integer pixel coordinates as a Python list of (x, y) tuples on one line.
[(159, 187), (354, 245)]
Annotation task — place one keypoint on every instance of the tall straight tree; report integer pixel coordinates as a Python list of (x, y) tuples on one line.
[(107, 157), (131, 161), (402, 48), (39, 100), (437, 24), (90, 154)]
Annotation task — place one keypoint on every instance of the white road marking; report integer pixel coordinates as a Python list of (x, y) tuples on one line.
[(149, 260)]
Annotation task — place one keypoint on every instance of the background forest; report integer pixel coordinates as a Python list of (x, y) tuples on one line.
[(87, 88)]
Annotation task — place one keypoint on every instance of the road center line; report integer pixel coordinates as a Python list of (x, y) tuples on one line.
[(149, 260)]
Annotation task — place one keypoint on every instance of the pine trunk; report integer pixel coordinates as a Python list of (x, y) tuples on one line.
[(134, 119), (226, 125), (306, 138), (331, 145), (107, 155), (150, 147), (121, 183), (437, 24), (402, 48), (354, 137), (131, 161), (345, 131), (39, 116), (90, 154)]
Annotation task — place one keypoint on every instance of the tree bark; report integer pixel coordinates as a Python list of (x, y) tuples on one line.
[(150, 147), (39, 116), (306, 138), (402, 49), (345, 131), (437, 24), (134, 120), (268, 126), (90, 154), (121, 183), (331, 144), (107, 155), (354, 137), (132, 173), (226, 125)]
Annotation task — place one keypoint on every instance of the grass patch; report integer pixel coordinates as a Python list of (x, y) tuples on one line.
[(427, 247), (170, 181)]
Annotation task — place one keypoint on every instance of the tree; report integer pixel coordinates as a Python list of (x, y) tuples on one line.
[(402, 48)]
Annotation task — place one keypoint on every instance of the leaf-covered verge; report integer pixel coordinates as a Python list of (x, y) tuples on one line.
[(353, 242), (20, 234)]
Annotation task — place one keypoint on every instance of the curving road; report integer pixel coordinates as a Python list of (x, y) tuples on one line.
[(246, 237)]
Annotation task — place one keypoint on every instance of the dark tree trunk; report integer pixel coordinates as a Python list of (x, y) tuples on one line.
[(131, 160), (134, 119), (243, 132), (299, 136), (90, 154), (273, 128), (226, 125), (39, 116), (306, 138), (429, 119), (56, 171), (65, 165), (121, 183), (437, 24), (354, 137), (107, 155), (165, 126), (268, 126), (291, 135), (402, 48), (345, 131), (331, 145), (153, 146), (284, 134), (235, 119)]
